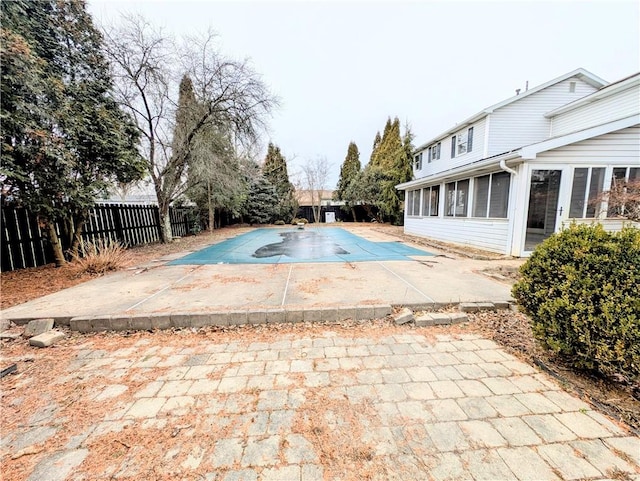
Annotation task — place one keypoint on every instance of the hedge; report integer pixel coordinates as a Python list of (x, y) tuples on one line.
[(581, 289)]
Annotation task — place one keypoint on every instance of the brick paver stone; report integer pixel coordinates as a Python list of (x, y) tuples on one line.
[(57, 466), (227, 452), (145, 407), (565, 459), (515, 431), (261, 451), (526, 464), (583, 425)]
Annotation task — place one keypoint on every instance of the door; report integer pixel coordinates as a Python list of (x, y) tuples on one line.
[(543, 212)]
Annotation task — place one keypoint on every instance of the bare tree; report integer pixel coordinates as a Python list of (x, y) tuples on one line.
[(148, 66), (622, 200), (315, 174)]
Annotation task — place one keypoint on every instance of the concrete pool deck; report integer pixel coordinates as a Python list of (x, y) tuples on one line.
[(160, 288)]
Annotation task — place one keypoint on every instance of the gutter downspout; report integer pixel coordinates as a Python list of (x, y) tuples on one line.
[(512, 201), (503, 166)]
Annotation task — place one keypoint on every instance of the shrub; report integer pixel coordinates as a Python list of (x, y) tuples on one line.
[(101, 256), (279, 222), (580, 288), (298, 221)]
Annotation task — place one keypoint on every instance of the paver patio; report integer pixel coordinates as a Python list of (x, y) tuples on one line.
[(287, 403)]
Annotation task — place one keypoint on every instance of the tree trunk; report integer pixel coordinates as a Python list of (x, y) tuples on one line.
[(58, 255), (353, 213), (212, 211), (166, 236), (77, 235)]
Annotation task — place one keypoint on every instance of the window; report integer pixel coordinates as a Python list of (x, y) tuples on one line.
[(434, 152), (621, 175), (587, 187), (418, 161), (430, 200), (492, 195), (453, 147), (413, 202), (456, 198), (463, 142)]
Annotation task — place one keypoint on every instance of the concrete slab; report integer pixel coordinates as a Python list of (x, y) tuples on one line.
[(226, 287)]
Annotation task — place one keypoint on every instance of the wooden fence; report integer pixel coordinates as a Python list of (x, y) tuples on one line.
[(24, 244)]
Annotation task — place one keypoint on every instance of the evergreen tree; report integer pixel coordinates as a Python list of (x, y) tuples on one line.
[(390, 165), (64, 139), (348, 172), (274, 170), (261, 206), (376, 145)]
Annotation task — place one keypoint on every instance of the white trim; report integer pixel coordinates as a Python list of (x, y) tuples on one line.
[(583, 74), (487, 126), (604, 92), (531, 151)]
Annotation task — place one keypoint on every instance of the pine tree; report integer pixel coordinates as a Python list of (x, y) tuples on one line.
[(348, 172), (274, 170), (390, 165), (261, 207), (64, 139)]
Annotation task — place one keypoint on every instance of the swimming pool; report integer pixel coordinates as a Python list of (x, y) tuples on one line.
[(293, 245)]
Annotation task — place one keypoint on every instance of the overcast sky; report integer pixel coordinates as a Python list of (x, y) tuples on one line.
[(340, 69)]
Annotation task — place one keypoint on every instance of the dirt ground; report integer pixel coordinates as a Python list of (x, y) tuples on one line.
[(507, 328)]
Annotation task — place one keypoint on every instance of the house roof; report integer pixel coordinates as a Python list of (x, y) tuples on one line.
[(304, 197), (529, 152), (581, 73), (604, 92)]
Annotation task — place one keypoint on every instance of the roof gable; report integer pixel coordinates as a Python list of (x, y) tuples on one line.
[(581, 73)]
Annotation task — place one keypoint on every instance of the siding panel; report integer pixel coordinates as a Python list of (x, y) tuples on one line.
[(490, 234), (523, 122), (623, 145), (615, 107), (445, 162)]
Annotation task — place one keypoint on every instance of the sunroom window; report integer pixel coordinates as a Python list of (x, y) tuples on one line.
[(430, 200), (492, 195), (457, 198), (587, 187)]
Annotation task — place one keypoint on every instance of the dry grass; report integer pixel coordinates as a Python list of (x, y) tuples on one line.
[(100, 257)]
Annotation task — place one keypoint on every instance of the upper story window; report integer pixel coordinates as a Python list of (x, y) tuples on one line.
[(417, 160), (433, 153), (462, 142)]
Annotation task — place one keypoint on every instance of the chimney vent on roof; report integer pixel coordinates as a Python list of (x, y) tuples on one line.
[(526, 86), (518, 91)]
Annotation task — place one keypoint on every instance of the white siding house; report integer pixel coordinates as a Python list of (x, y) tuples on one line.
[(511, 175)]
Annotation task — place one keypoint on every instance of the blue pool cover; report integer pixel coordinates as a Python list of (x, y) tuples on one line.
[(290, 245)]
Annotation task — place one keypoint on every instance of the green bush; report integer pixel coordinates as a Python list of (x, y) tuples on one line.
[(581, 288), (278, 222), (298, 221)]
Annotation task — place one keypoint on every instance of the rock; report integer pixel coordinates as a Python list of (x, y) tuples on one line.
[(405, 315), (5, 324), (9, 335), (433, 319), (486, 306), (46, 339), (37, 327), (457, 318), (468, 307)]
